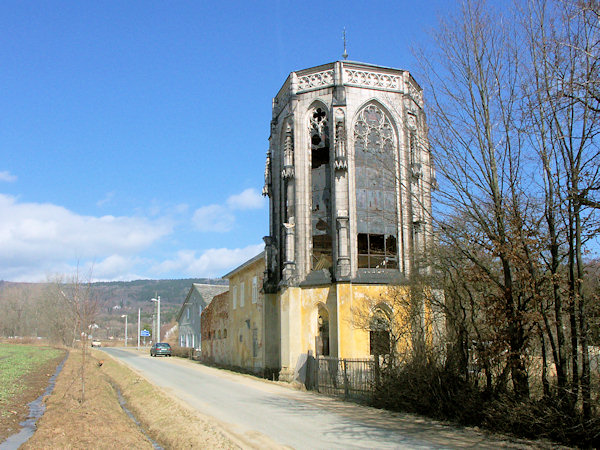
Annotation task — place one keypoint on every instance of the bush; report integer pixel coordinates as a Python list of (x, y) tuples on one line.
[(182, 352)]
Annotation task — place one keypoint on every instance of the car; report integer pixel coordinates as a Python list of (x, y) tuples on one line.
[(96, 344), (160, 348)]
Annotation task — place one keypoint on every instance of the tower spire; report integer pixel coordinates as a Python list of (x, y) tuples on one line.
[(345, 54)]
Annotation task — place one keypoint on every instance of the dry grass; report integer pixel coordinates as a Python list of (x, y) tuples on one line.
[(100, 422), (166, 420), (97, 423)]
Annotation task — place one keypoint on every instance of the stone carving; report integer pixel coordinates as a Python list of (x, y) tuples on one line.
[(372, 79), (341, 161), (315, 80), (288, 153), (266, 191), (415, 93)]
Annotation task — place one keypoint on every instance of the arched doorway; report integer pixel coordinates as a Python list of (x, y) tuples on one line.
[(322, 338)]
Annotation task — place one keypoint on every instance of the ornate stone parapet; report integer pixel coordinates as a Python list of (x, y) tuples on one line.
[(373, 80), (315, 80)]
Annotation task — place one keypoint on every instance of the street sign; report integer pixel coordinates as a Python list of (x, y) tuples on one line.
[(144, 333)]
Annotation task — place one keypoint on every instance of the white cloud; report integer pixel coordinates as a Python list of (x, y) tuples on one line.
[(248, 199), (41, 238), (213, 262), (213, 218), (7, 176), (221, 218)]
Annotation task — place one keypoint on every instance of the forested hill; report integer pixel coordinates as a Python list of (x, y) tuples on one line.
[(140, 291)]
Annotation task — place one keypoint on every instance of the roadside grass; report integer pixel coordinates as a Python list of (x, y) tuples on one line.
[(171, 423), (100, 422), (16, 362)]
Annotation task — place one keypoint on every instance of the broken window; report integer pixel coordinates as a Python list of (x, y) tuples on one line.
[(377, 251), (376, 195), (321, 190)]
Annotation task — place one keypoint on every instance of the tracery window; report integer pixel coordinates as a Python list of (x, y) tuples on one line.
[(321, 190), (375, 162)]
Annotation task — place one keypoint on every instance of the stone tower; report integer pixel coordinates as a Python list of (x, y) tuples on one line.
[(348, 175)]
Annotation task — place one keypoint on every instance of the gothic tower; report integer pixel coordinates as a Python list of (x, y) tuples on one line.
[(348, 175)]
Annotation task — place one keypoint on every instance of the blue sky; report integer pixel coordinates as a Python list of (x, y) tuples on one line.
[(133, 133)]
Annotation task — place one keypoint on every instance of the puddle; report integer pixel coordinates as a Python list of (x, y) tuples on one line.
[(36, 410), (122, 402)]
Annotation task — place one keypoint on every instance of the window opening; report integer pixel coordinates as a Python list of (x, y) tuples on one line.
[(321, 190), (376, 197), (377, 251), (242, 294), (234, 295), (379, 335), (254, 289)]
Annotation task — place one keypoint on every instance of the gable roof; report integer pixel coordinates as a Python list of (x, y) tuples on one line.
[(197, 288), (258, 257)]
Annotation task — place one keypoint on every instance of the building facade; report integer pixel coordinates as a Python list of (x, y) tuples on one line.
[(189, 316), (348, 176), (240, 325)]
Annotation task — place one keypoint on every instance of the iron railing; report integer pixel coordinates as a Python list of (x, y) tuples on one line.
[(349, 378)]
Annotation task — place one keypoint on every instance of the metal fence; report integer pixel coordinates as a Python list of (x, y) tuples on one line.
[(348, 378)]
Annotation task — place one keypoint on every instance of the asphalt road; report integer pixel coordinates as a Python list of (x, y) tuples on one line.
[(262, 414)]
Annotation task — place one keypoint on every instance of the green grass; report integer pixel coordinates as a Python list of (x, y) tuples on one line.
[(17, 361)]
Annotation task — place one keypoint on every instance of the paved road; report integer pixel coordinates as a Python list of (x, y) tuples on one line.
[(263, 414)]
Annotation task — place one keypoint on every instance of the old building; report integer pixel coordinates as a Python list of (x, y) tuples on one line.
[(239, 326), (348, 175), (188, 317)]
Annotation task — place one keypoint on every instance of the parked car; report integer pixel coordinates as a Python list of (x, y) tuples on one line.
[(160, 348), (96, 344)]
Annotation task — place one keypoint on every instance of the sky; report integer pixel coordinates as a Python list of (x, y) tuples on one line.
[(133, 134)]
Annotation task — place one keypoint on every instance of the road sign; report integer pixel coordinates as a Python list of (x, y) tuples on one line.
[(144, 333)]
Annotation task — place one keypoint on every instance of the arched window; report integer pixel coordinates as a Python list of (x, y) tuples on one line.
[(375, 164), (379, 333), (321, 189)]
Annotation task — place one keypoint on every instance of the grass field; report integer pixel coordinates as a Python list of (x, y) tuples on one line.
[(16, 362)]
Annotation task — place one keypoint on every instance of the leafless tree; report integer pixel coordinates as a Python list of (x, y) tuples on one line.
[(83, 306)]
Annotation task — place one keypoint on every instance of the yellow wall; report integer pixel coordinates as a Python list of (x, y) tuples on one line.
[(245, 339), (349, 306)]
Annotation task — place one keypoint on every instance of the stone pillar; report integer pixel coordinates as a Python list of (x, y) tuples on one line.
[(287, 175), (343, 256), (289, 264), (342, 265)]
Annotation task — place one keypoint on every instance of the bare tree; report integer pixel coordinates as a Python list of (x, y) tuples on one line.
[(83, 306)]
